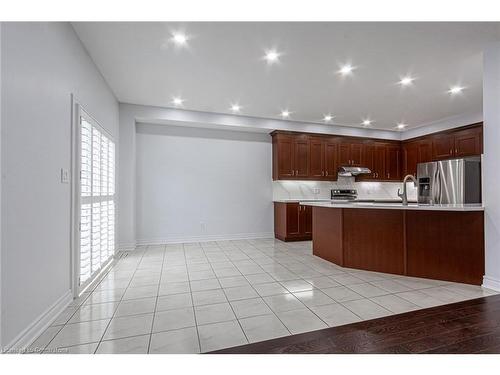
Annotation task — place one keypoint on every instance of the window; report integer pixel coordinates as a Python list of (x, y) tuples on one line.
[(97, 200)]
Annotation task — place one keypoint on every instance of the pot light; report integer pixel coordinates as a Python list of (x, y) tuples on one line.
[(366, 122), (180, 39), (406, 81), (401, 126), (346, 69), (285, 113), (272, 56), (235, 108), (455, 90), (328, 118), (177, 101)]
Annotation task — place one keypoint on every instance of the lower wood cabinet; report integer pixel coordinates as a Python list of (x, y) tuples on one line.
[(292, 222)]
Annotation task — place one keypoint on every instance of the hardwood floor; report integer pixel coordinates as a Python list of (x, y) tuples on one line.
[(465, 327)]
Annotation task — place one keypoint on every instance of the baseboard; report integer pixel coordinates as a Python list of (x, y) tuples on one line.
[(491, 283), (215, 237), (126, 246), (39, 325)]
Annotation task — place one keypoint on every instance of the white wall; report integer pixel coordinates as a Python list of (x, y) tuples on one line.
[(201, 184), (42, 65), (491, 179), (130, 114)]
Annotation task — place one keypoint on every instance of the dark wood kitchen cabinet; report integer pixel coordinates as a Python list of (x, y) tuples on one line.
[(323, 159), (290, 156), (350, 153), (304, 156), (457, 143), (292, 222), (415, 152), (383, 159), (392, 163), (469, 142)]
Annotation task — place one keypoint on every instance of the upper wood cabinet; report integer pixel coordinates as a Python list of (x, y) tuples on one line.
[(415, 152), (302, 156), (457, 143), (290, 156), (323, 158), (393, 163), (469, 142), (350, 153)]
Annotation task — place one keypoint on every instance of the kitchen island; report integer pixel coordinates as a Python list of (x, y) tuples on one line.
[(444, 242)]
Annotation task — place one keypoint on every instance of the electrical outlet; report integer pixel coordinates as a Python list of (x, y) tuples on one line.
[(64, 176), (316, 190)]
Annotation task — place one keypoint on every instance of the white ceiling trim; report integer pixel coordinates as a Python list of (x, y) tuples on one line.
[(209, 120)]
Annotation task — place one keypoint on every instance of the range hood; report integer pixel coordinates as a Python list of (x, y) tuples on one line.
[(353, 171)]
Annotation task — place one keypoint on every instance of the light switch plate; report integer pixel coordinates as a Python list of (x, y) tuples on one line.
[(64, 176)]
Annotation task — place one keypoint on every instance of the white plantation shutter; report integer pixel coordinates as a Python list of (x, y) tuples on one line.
[(97, 200)]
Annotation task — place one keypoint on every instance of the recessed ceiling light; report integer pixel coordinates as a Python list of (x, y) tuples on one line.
[(272, 56), (405, 81), (367, 122), (455, 90), (346, 69), (236, 108), (180, 39), (328, 118), (285, 113), (401, 126), (177, 101)]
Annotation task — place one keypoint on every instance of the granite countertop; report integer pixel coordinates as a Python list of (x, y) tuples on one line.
[(396, 206)]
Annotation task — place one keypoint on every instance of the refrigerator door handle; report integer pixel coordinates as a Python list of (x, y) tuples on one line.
[(436, 196)]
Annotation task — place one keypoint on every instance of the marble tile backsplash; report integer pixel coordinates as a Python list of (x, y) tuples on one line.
[(321, 189)]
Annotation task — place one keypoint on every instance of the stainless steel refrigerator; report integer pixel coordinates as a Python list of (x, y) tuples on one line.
[(455, 181)]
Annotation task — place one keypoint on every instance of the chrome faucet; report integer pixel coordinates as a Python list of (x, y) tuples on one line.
[(404, 195)]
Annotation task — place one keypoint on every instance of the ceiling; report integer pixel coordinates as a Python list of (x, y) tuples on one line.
[(223, 63)]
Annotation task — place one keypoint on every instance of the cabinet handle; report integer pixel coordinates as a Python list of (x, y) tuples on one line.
[(296, 172), (326, 173), (456, 151), (451, 151), (293, 172), (322, 173)]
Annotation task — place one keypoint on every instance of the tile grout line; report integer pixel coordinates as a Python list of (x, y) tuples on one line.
[(228, 302), (121, 299), (192, 299), (157, 296), (78, 307)]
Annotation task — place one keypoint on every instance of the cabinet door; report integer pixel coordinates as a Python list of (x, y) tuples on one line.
[(424, 151), (379, 156), (410, 158), (344, 154), (356, 154), (292, 219), (301, 157), (393, 163), (306, 220), (284, 153), (468, 142), (442, 146), (317, 158), (367, 161), (331, 160)]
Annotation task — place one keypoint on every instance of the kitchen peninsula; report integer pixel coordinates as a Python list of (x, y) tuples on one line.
[(444, 242)]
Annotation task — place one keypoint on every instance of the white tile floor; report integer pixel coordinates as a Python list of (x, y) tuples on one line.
[(198, 297)]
